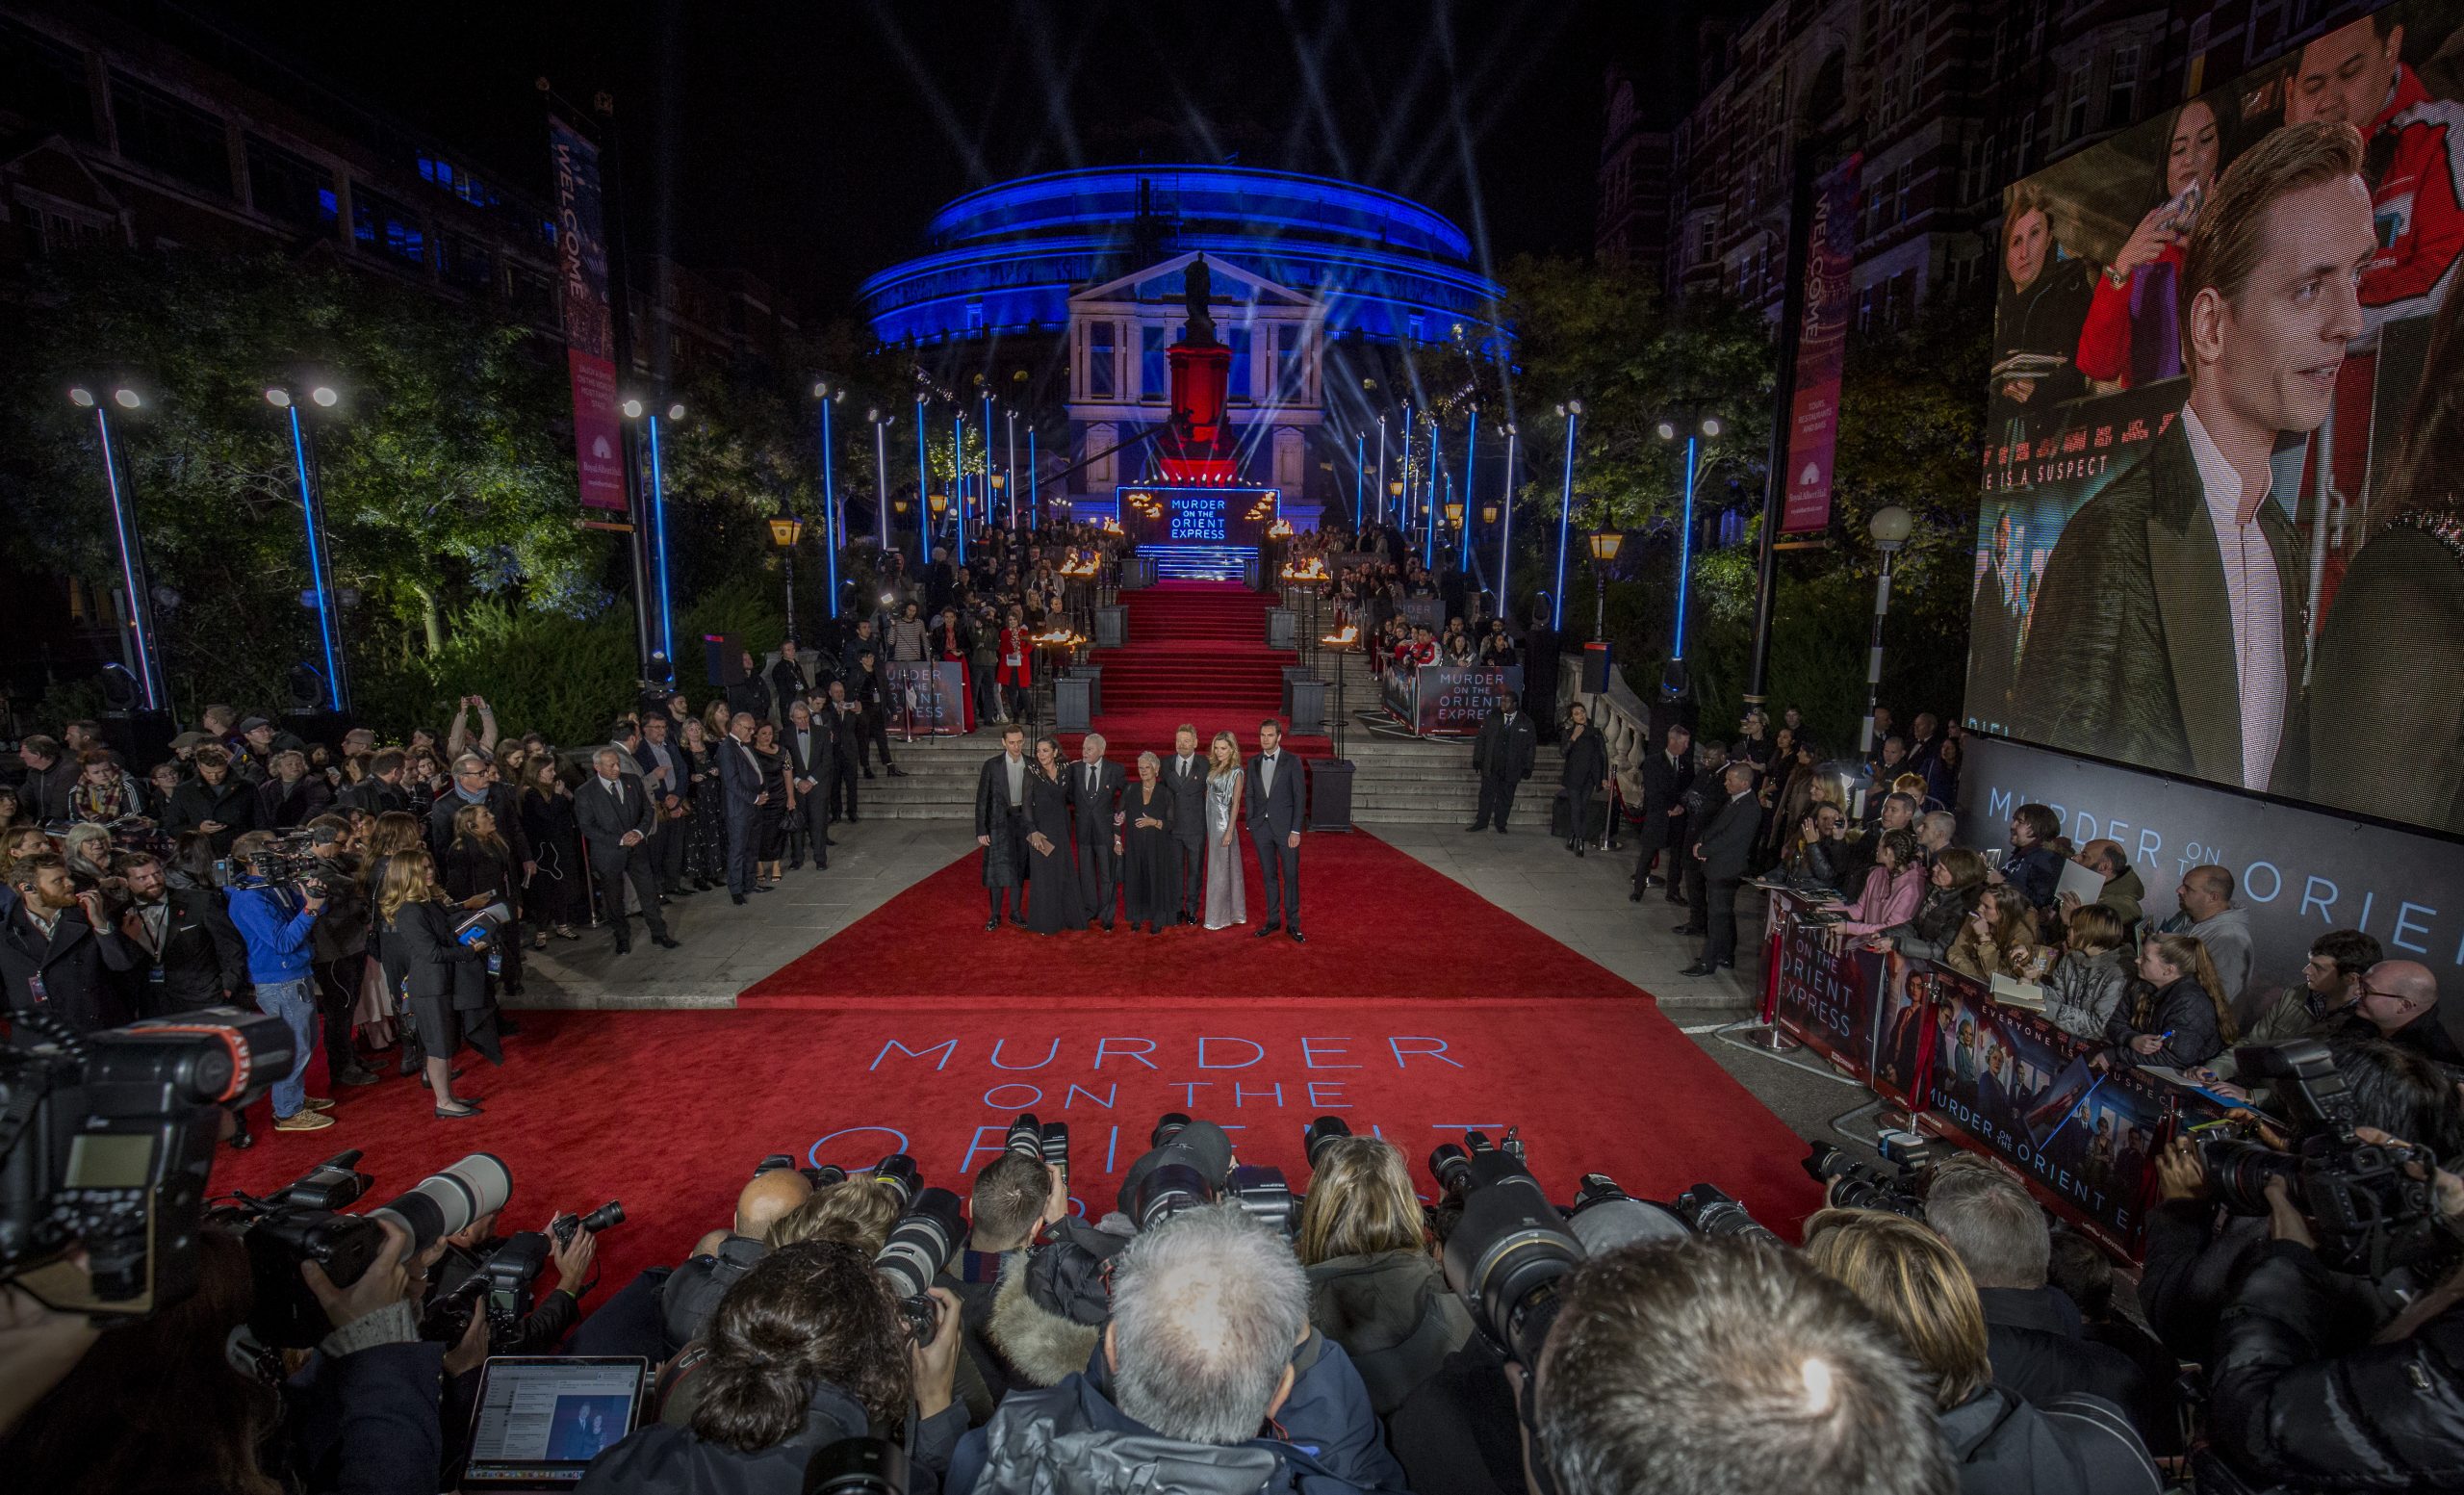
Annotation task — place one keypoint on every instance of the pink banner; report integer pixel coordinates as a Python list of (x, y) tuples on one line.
[(599, 435), (590, 338), (1822, 342)]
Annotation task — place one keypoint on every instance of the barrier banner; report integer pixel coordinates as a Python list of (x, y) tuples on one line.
[(2007, 1083), (590, 332), (1448, 700), (1826, 998), (928, 696)]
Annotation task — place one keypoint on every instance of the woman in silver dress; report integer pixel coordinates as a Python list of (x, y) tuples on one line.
[(1226, 903)]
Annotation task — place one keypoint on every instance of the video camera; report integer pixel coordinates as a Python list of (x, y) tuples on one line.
[(1511, 1250), (2370, 1216), (291, 860), (1848, 1184), (1178, 1174), (303, 1223), (106, 1142)]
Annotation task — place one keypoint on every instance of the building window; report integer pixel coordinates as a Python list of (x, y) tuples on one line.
[(468, 263), (2074, 104), (1290, 377), (2266, 28), (2121, 88), (534, 296), (1237, 389), (1101, 381), (1419, 327), (291, 188), (45, 81), (1899, 192), (1154, 367), (457, 181), (384, 225), (975, 316), (172, 137)]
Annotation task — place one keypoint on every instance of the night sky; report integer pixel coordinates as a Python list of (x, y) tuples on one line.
[(810, 143)]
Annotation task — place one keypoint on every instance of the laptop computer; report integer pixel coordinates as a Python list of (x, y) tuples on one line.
[(542, 1419)]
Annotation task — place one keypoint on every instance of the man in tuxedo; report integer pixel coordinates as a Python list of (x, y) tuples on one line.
[(846, 722), (58, 949), (1722, 850), (1701, 798), (1184, 778), (1001, 826), (1276, 794), (381, 793), (869, 688), (811, 763), (1501, 755), (615, 816), (189, 956), (663, 775), (1094, 802), (1667, 775), (740, 787)]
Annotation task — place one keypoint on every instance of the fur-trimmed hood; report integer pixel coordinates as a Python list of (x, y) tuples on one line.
[(1044, 1347)]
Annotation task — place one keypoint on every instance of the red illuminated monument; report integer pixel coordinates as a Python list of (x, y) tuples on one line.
[(1196, 448)]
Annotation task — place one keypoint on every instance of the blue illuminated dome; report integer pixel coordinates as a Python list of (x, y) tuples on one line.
[(1006, 258)]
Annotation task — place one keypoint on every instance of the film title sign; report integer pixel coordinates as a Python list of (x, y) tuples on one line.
[(1456, 698), (1197, 517), (931, 694), (1825, 997)]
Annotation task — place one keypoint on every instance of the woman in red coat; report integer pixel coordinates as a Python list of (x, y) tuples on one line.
[(1017, 668), (952, 646)]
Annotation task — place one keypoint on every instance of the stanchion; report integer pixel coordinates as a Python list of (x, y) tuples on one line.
[(1769, 1037)]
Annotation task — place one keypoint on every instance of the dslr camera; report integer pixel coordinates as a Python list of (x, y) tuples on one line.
[(1048, 1142), (1177, 1175), (106, 1142), (1848, 1184), (502, 1285), (2370, 1216), (928, 1233)]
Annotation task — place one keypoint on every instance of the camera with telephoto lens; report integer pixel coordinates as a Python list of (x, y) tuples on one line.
[(282, 1233), (565, 1227), (1314, 1136), (858, 1467), (1170, 1179), (919, 1246), (1046, 1142), (821, 1177), (290, 861), (1848, 1184), (106, 1142), (1510, 1251), (499, 1287), (1605, 1216), (2369, 1215)]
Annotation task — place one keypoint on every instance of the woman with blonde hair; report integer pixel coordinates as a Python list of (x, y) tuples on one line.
[(2183, 1018), (1226, 899), (446, 980), (856, 1212), (1911, 1280), (1374, 1286)]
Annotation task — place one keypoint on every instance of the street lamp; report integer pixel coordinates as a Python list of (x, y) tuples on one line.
[(881, 468), (1000, 483), (139, 643), (655, 541), (1572, 411), (1890, 527), (784, 532), (312, 517), (1505, 532), (829, 516), (1708, 426), (1605, 545)]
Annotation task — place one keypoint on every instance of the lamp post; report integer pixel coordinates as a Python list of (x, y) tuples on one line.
[(1505, 529), (312, 517), (1403, 470), (1605, 545), (1709, 428), (1429, 500), (659, 611), (829, 521), (1572, 410), (881, 468), (1035, 515), (139, 645), (1359, 472), (1463, 536), (1012, 467), (1000, 483), (923, 480), (957, 476), (1890, 525), (1381, 468), (784, 532)]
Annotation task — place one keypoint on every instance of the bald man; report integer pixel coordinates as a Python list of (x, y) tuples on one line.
[(2209, 914), (2124, 890), (692, 1292), (2400, 999)]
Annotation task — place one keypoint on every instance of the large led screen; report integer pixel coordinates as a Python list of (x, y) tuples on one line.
[(2223, 528)]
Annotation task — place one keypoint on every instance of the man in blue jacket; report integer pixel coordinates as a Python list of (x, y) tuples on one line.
[(1208, 1374), (277, 924)]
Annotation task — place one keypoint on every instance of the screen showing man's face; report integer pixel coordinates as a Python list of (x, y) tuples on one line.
[(2277, 345), (2344, 75)]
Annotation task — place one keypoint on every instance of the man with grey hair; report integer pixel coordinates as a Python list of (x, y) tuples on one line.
[(1208, 1378), (2034, 1334), (1095, 790), (1936, 829), (613, 812), (475, 783)]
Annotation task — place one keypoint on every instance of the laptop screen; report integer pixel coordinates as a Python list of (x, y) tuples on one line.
[(542, 1418)]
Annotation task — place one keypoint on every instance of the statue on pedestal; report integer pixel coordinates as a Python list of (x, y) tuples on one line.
[(1197, 286)]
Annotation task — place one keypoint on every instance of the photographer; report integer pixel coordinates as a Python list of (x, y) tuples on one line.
[(340, 963), (1011, 1341), (1374, 1286), (806, 1348), (277, 923), (159, 1405), (690, 1293), (1204, 1364), (553, 1313), (2287, 1411), (59, 949)]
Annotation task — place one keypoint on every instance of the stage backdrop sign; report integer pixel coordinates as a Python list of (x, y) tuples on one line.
[(590, 333), (2299, 872), (1822, 345)]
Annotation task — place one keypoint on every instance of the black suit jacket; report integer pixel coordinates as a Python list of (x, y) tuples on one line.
[(2130, 654), (818, 764), (1728, 838), (1275, 812), (1505, 752), (202, 957), (502, 803), (375, 796), (739, 775), (604, 821), (1189, 797), (1664, 783), (73, 963), (1092, 808)]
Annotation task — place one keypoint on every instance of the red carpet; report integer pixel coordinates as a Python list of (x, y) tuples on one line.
[(1381, 925), (1196, 652), (669, 1111)]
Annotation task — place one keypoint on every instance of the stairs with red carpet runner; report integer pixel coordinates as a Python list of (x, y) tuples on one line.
[(1198, 654)]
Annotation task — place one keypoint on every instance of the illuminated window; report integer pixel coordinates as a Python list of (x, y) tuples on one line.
[(386, 226), (1100, 383), (1154, 368), (975, 316)]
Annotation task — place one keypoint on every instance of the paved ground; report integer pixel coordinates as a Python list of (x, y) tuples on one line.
[(1580, 901)]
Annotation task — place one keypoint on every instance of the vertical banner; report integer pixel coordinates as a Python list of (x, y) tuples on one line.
[(590, 336), (1822, 343)]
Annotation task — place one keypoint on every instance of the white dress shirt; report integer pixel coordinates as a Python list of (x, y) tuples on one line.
[(2254, 589), (1266, 773)]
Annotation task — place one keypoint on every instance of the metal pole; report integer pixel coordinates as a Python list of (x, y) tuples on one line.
[(1565, 520), (146, 661), (1035, 515), (1600, 599), (658, 542), (315, 562), (1428, 501), (1506, 526), (1685, 551), (1381, 468), (1784, 396), (1404, 511), (881, 490), (923, 487), (1874, 656), (828, 512), (1013, 468), (958, 478), (1470, 446), (788, 565), (984, 489), (1359, 470)]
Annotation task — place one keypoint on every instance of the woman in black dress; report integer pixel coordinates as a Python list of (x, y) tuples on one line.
[(447, 979), (558, 894), (1150, 872), (1053, 904), (477, 870), (774, 813), (706, 855)]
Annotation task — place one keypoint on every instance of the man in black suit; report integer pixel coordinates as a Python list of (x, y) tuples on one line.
[(1726, 842), (810, 765), (613, 812), (61, 940), (750, 693), (1094, 802), (1001, 826), (869, 688), (475, 783), (1667, 775), (51, 773), (1276, 796), (663, 775), (1184, 778), (1501, 755), (741, 785), (381, 793), (189, 956), (790, 677), (846, 722)]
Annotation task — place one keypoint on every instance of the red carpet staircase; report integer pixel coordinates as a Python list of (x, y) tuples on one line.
[(1197, 654)]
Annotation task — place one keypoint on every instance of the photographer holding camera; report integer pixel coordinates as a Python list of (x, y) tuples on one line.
[(687, 1297), (1011, 1341), (571, 1250), (340, 945), (59, 950), (277, 924)]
